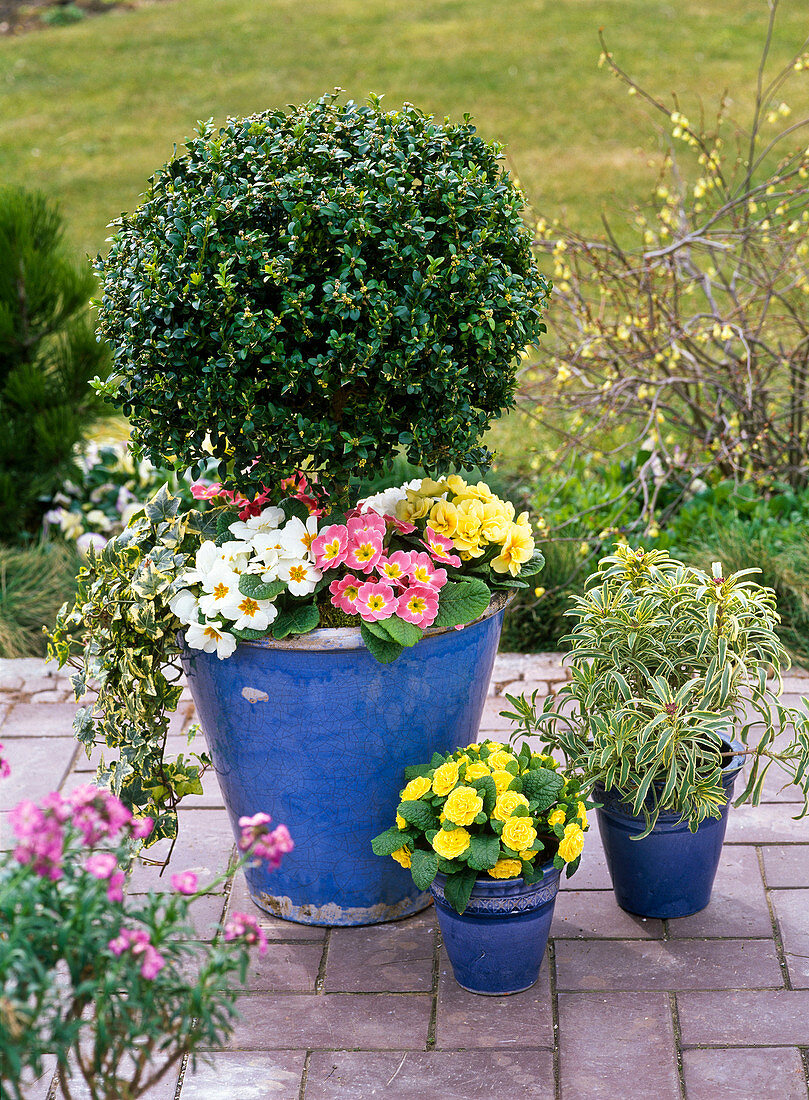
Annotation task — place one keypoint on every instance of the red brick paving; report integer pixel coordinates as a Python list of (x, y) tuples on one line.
[(710, 1006)]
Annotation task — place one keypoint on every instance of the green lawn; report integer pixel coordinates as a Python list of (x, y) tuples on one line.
[(90, 110)]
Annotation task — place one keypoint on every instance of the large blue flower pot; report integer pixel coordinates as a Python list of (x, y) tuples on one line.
[(315, 732), (496, 946), (670, 872)]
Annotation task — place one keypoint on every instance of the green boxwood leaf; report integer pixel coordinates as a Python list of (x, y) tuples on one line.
[(461, 602), (424, 868)]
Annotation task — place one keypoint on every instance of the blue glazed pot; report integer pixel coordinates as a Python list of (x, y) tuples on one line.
[(496, 946), (670, 873), (315, 732)]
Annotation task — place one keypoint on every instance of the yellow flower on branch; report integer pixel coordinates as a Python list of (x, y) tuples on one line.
[(519, 834), (402, 856), (557, 818), (507, 803), (516, 550), (506, 868), (477, 770), (451, 844), (572, 844), (463, 806), (445, 777), (416, 788)]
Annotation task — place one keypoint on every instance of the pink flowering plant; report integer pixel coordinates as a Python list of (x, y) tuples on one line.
[(118, 988)]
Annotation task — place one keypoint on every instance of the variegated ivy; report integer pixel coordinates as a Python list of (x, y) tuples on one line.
[(669, 663)]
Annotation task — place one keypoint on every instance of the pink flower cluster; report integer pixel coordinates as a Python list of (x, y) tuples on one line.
[(243, 926), (96, 814), (257, 839), (138, 943), (5, 767), (404, 583)]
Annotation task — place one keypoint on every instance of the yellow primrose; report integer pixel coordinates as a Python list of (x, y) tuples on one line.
[(451, 844), (430, 488), (445, 777), (507, 803), (416, 789), (463, 806), (477, 771), (582, 815), (444, 518), (519, 834), (480, 492), (490, 745), (556, 818), (403, 856), (400, 822), (506, 868), (499, 760), (455, 484), (572, 845), (412, 509), (502, 780), (516, 550), (496, 519)]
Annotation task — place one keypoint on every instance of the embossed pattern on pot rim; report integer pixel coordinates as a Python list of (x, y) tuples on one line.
[(500, 897)]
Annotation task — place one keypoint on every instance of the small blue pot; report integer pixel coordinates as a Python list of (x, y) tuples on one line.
[(670, 873), (315, 732), (496, 946)]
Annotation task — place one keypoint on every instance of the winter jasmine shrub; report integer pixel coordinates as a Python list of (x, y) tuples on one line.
[(99, 980)]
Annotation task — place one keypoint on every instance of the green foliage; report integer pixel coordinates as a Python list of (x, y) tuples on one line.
[(35, 581), (663, 659), (318, 288), (121, 632), (48, 355)]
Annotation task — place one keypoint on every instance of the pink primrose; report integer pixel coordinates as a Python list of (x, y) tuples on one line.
[(376, 601), (402, 526), (423, 571), (440, 547), (395, 567), (331, 546), (184, 883), (201, 491), (419, 605), (368, 523), (344, 593), (364, 552), (243, 926)]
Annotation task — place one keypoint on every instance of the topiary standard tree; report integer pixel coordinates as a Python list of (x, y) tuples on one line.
[(48, 355), (318, 288)]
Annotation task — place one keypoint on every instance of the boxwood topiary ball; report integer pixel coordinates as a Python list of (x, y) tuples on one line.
[(319, 287)]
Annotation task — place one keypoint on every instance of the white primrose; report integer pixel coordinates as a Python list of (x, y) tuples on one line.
[(207, 557), (221, 586), (210, 638), (295, 538), (185, 606), (250, 614), (267, 520), (299, 576)]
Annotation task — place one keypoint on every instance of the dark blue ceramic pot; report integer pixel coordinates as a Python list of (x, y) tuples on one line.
[(670, 872), (315, 732), (496, 946)]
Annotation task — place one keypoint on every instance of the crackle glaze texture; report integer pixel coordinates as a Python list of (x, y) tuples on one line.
[(319, 739), (670, 872)]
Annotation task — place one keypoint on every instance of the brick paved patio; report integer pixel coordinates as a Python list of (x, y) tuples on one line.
[(710, 1006)]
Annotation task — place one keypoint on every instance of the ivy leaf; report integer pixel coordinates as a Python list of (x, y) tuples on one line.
[(418, 813), (252, 586), (458, 889), (162, 506), (383, 651), (83, 726), (402, 632), (390, 841), (461, 602), (424, 868), (483, 853), (299, 619), (541, 785)]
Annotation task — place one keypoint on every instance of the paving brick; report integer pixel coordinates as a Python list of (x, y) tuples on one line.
[(741, 1018), (204, 845), (246, 1076), (467, 1075), (468, 1021), (332, 1021), (491, 720), (385, 958), (165, 1089), (40, 720), (741, 1073), (205, 914), (37, 1088), (285, 968), (738, 906), (584, 914), (621, 1045), (769, 823), (786, 864), (592, 873), (38, 766), (673, 965), (274, 928), (792, 914)]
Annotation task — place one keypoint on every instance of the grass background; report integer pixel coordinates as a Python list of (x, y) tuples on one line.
[(90, 110)]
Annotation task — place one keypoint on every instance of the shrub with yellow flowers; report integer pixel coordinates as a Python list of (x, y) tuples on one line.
[(486, 811)]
